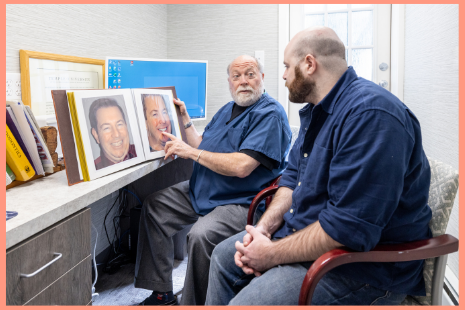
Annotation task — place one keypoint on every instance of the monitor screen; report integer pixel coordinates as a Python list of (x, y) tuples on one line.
[(189, 77)]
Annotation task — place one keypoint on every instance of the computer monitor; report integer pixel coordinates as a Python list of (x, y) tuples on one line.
[(189, 77)]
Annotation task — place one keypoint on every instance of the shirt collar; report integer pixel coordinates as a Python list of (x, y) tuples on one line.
[(329, 101), (108, 162)]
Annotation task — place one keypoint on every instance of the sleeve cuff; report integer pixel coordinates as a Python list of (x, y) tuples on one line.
[(350, 231), (287, 181)]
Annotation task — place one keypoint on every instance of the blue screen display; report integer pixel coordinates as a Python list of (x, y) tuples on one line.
[(189, 79)]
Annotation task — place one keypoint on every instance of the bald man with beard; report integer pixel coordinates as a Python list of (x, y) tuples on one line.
[(357, 177)]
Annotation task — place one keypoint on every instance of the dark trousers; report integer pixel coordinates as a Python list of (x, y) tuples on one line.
[(167, 212)]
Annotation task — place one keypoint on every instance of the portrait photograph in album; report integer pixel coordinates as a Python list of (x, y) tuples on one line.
[(109, 130), (157, 115)]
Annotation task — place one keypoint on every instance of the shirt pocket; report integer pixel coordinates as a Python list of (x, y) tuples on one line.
[(318, 169), (235, 138)]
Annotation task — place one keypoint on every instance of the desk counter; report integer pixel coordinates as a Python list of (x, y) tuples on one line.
[(45, 201)]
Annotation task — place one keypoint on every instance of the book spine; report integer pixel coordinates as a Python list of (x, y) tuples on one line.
[(16, 159), (14, 127), (77, 136), (10, 176)]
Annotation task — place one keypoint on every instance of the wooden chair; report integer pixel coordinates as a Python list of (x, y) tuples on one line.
[(443, 189)]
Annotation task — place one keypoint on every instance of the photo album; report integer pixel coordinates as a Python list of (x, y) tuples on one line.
[(106, 130)]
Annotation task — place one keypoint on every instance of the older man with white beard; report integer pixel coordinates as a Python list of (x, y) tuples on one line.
[(240, 152)]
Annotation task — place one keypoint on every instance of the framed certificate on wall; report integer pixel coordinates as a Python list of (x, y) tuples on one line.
[(43, 72)]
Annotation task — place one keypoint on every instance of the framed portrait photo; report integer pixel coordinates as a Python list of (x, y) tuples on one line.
[(157, 115), (109, 130)]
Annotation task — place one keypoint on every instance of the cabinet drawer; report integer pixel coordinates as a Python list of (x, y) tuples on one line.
[(73, 288), (69, 237)]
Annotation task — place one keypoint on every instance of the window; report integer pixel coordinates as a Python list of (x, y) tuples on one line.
[(354, 26), (363, 28)]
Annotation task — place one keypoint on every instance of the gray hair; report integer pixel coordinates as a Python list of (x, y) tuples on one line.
[(259, 65)]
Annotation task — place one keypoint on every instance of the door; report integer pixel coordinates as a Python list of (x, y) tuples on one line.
[(365, 30)]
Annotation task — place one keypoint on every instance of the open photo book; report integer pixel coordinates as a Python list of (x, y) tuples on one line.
[(107, 130)]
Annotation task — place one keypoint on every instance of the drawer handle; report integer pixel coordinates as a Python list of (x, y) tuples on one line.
[(43, 267)]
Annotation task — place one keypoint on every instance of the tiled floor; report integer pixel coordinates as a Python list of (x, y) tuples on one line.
[(118, 289)]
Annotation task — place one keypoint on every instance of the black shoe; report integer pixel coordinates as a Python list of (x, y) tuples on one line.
[(156, 299)]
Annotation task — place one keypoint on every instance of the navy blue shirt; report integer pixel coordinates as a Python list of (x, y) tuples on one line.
[(262, 127), (358, 167)]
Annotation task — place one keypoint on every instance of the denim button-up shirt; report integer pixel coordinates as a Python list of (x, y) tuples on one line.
[(358, 167)]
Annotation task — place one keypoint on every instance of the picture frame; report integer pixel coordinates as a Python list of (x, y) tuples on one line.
[(158, 101), (42, 72), (111, 144)]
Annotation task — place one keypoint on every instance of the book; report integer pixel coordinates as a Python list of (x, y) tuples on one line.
[(14, 127), (104, 131), (27, 136), (10, 176), (16, 159), (42, 148)]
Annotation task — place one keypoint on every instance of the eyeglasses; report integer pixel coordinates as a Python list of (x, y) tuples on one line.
[(248, 76)]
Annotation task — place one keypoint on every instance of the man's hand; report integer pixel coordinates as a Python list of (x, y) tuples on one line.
[(248, 237), (177, 147), (182, 109), (246, 241), (257, 256)]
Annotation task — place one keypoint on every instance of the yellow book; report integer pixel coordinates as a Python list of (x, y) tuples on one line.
[(77, 136), (16, 159)]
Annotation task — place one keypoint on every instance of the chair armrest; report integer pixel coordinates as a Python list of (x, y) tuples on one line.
[(276, 181), (267, 192), (416, 250), (269, 198)]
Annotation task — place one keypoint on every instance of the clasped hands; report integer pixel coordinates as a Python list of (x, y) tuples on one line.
[(255, 255)]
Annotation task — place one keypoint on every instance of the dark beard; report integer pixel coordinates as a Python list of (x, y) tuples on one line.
[(300, 88)]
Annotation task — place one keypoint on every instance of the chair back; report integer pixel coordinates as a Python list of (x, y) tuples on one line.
[(442, 193), (295, 134)]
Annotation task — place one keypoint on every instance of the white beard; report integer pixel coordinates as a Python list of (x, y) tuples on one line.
[(247, 99)]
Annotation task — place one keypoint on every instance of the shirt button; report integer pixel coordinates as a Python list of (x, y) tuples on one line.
[(292, 211), (305, 128), (293, 229), (299, 183), (305, 155)]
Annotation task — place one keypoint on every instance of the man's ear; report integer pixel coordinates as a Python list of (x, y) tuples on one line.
[(95, 135), (310, 64), (263, 76)]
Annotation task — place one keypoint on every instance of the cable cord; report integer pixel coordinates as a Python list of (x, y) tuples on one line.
[(94, 294), (105, 220), (124, 189)]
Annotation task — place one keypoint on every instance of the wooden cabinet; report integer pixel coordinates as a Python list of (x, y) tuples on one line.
[(68, 280), (73, 288)]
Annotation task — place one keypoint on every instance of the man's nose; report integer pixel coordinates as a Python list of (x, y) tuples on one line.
[(163, 118), (115, 132), (243, 80)]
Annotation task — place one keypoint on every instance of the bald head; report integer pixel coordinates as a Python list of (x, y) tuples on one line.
[(324, 44), (245, 60)]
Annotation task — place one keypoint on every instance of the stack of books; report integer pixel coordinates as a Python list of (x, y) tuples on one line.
[(27, 153)]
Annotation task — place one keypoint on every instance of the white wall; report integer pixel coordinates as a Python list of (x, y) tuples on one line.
[(86, 30), (93, 31), (431, 85), (220, 33)]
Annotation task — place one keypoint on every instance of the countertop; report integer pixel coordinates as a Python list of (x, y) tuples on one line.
[(46, 201)]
